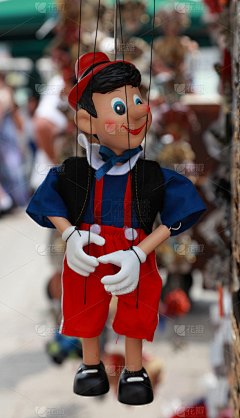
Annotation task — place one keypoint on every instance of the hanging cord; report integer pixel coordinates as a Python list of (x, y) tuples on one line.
[(149, 88), (115, 31), (79, 42), (78, 55), (77, 129), (144, 147), (90, 206), (130, 171)]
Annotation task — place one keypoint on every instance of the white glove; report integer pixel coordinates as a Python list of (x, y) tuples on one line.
[(126, 280), (77, 259)]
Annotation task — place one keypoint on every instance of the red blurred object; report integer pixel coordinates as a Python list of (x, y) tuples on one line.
[(177, 303), (114, 364), (61, 56), (214, 5), (226, 72), (67, 73), (225, 413), (195, 411), (220, 301), (175, 119)]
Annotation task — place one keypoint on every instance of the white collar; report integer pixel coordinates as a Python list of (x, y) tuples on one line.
[(97, 162)]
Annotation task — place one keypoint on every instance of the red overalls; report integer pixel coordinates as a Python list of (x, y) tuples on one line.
[(85, 303)]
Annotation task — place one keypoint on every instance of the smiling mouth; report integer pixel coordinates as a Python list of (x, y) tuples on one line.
[(133, 131)]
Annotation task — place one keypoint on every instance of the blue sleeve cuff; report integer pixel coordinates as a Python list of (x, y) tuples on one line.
[(186, 222), (43, 220), (182, 202)]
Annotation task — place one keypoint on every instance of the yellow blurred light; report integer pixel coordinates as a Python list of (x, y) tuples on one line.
[(191, 258), (145, 18), (157, 21), (187, 23), (193, 179)]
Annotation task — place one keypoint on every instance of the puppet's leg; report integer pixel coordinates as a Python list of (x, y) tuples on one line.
[(133, 351), (91, 351), (134, 386), (87, 321), (91, 378)]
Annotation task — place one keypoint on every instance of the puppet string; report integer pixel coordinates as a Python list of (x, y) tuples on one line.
[(90, 191), (79, 43), (130, 171), (149, 89)]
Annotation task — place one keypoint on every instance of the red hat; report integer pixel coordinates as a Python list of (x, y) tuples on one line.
[(84, 70)]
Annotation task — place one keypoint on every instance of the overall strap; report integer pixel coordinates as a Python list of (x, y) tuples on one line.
[(97, 208), (128, 204)]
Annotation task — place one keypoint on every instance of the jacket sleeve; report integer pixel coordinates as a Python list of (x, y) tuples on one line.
[(46, 201), (182, 202)]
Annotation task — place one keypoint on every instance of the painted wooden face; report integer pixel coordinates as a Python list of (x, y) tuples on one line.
[(120, 122)]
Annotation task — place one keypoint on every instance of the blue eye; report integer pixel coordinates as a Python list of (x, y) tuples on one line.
[(118, 106), (137, 99)]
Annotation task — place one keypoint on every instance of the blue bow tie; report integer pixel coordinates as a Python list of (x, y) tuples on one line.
[(111, 159)]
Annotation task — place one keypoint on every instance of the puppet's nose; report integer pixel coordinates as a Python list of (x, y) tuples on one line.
[(140, 110)]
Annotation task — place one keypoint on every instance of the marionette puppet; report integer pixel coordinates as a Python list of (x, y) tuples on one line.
[(104, 205)]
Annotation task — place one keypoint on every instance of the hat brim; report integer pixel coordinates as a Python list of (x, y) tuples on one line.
[(78, 89)]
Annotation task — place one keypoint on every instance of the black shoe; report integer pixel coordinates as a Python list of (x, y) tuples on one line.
[(134, 388), (91, 380)]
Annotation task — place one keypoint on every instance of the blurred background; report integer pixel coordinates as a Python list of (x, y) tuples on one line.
[(193, 361)]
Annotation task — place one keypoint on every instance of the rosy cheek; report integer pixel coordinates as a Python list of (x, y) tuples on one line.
[(110, 126), (109, 121)]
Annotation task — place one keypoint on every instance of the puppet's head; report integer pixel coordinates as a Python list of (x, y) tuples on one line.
[(109, 103)]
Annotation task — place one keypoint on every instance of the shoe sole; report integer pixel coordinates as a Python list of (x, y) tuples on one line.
[(92, 391)]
